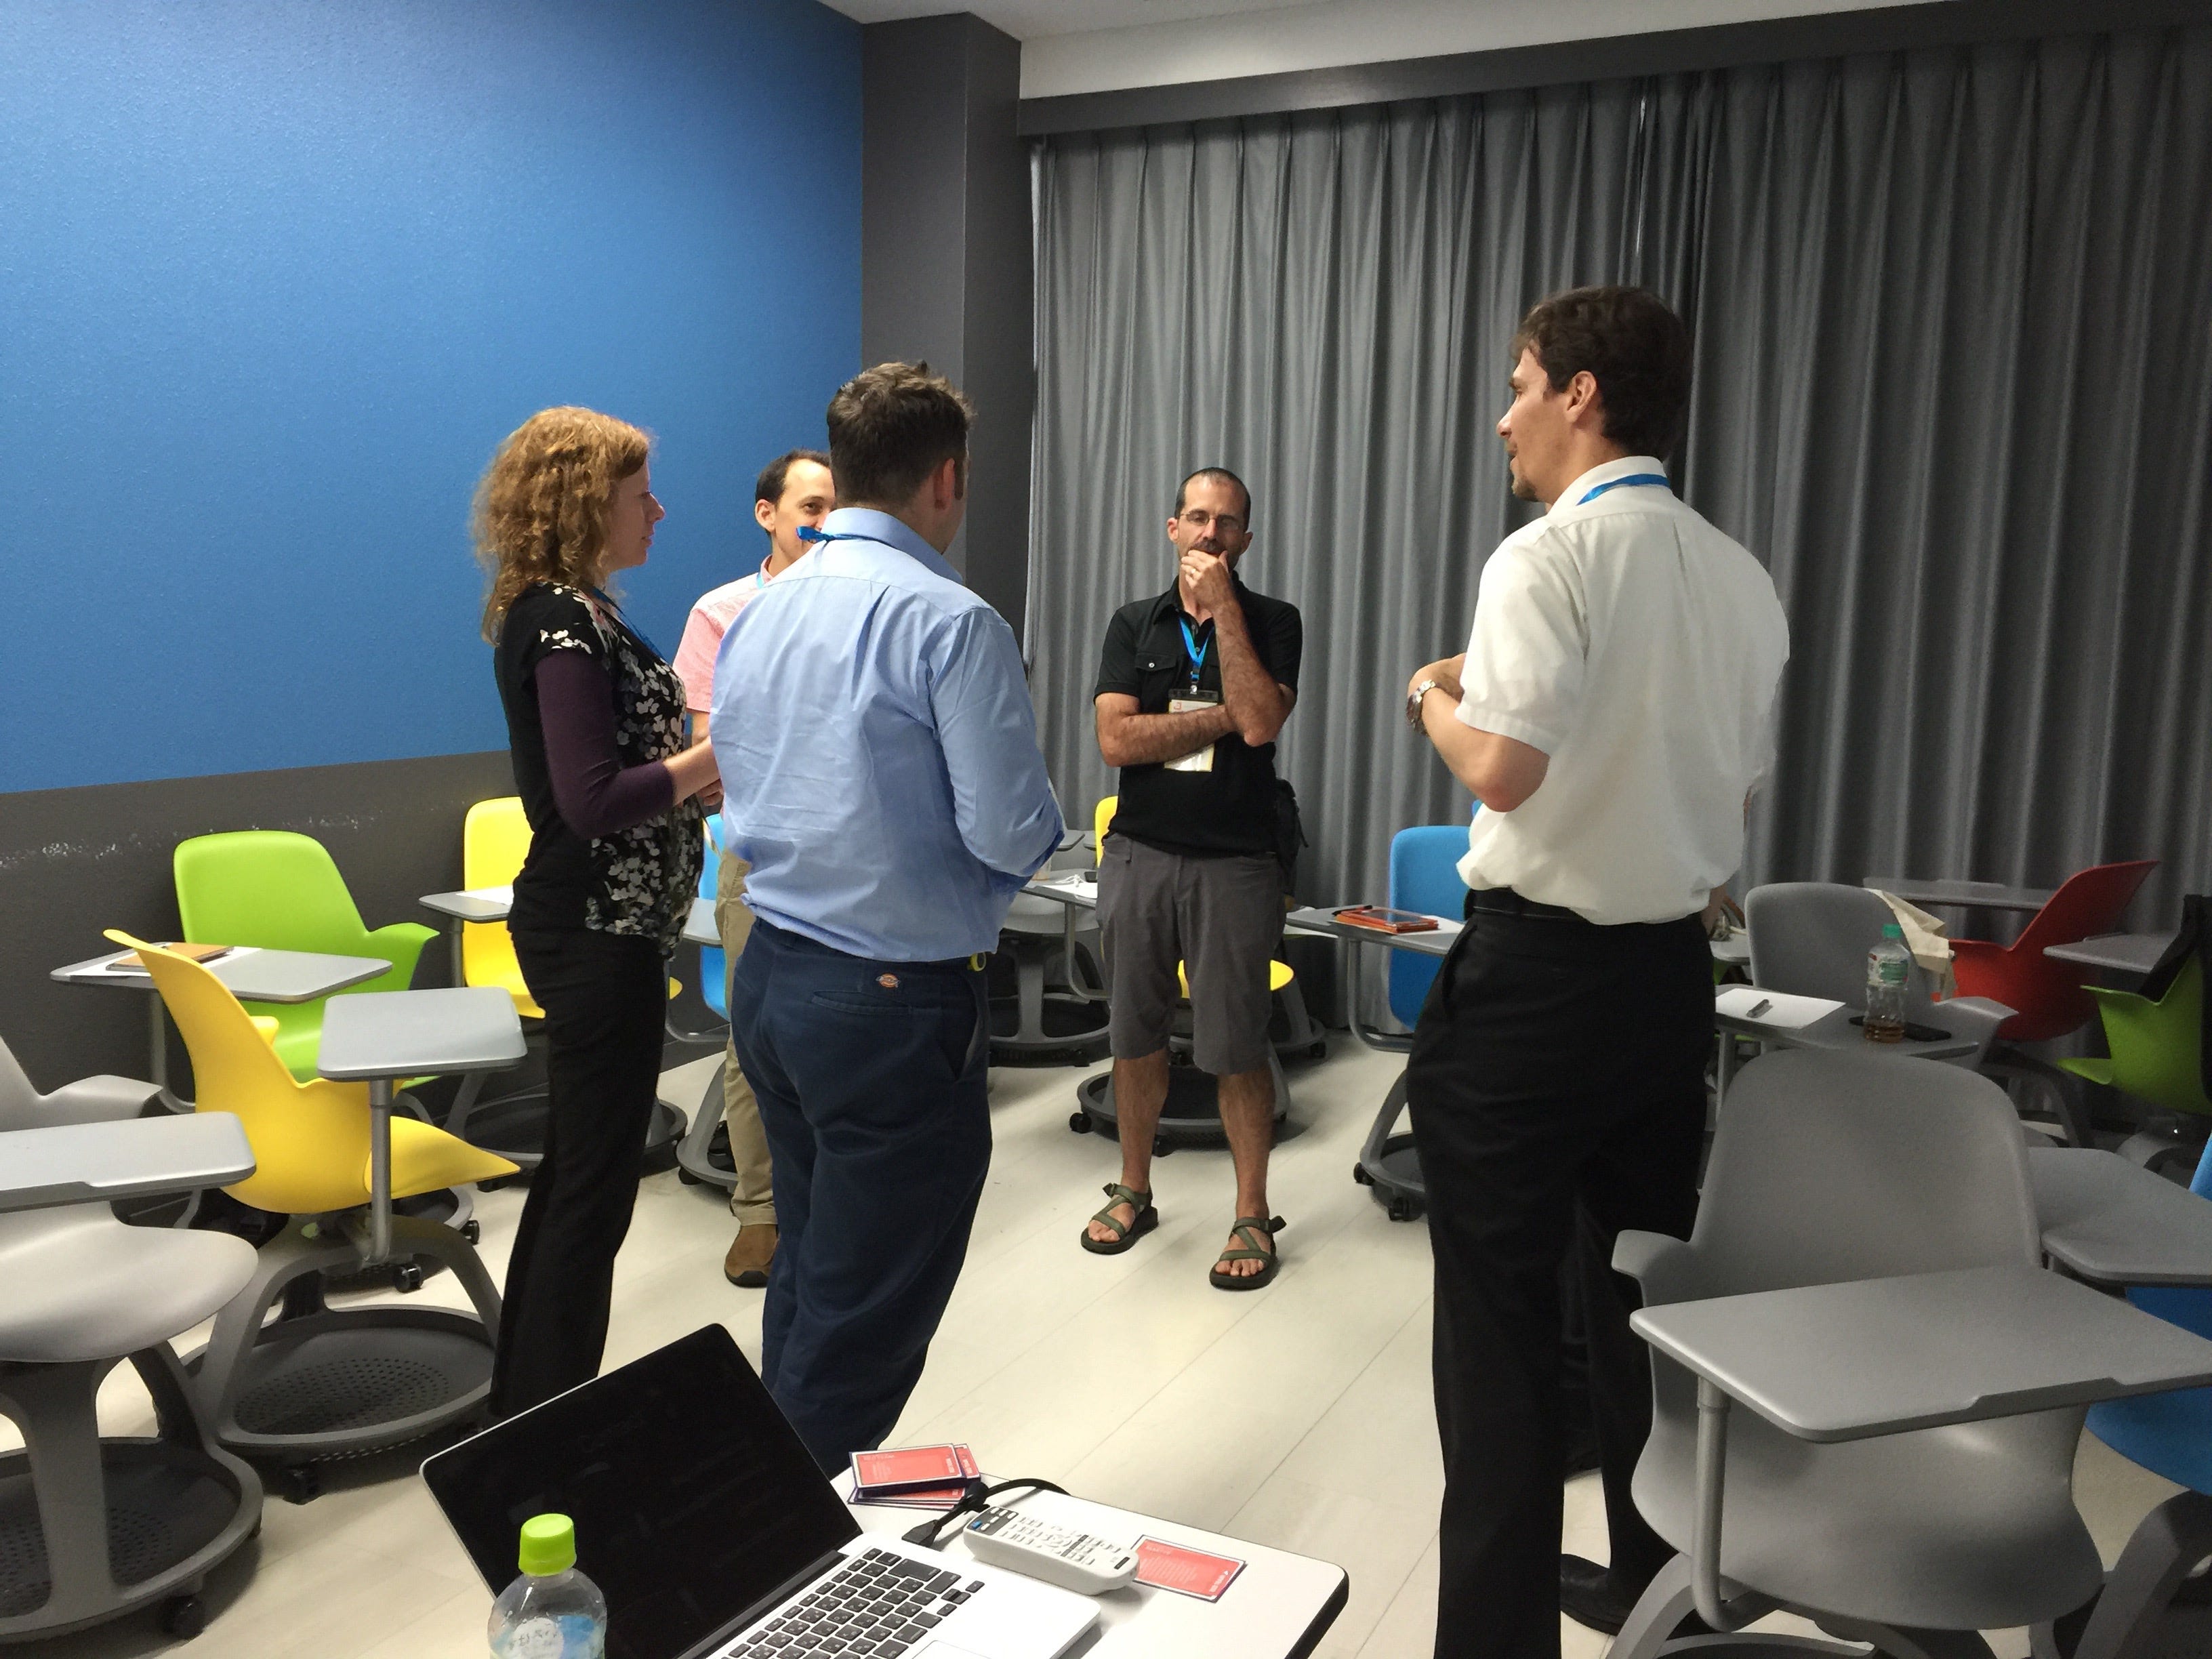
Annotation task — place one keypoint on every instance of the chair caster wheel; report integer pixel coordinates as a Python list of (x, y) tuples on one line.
[(1162, 1146), (686, 1176), (299, 1483), (1404, 1209), (472, 1229), (1078, 1123), (407, 1277), (1359, 1173), (1318, 1051), (183, 1617)]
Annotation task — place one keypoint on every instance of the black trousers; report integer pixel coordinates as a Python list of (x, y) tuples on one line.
[(605, 997), (1557, 1086)]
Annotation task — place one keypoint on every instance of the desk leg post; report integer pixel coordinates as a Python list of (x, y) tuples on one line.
[(380, 1171), (454, 928)]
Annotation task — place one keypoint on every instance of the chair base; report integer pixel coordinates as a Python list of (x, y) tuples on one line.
[(1192, 1116), (1648, 1633), (117, 1525), (1060, 1027), (317, 1383), (1389, 1164), (2142, 1584), (694, 1161)]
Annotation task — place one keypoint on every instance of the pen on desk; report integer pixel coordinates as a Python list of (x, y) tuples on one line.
[(1759, 1008)]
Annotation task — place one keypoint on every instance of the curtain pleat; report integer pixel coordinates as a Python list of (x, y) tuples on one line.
[(1953, 314)]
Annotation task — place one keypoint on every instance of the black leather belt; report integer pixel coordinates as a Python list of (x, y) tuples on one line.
[(1505, 902)]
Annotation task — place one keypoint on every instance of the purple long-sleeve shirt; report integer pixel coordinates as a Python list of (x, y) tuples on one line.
[(597, 794)]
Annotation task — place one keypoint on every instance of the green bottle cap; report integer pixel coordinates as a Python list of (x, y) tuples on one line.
[(1891, 930), (549, 1545)]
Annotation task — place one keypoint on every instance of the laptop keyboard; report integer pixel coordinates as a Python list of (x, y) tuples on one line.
[(877, 1605)]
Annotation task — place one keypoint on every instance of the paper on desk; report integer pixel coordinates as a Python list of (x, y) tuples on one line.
[(122, 969), (1075, 878), (491, 895), (1784, 1012)]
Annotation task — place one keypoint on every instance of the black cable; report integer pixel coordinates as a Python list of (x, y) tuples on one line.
[(977, 1497)]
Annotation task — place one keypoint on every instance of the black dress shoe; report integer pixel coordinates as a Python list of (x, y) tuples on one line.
[(1589, 1596)]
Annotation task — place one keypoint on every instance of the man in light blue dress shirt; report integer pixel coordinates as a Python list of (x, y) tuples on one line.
[(881, 777)]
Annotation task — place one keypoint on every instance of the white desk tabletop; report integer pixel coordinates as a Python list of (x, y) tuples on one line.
[(400, 1033), (1834, 1030), (2115, 1223), (1878, 1356), (1960, 895), (2118, 953), (85, 1163), (699, 924), (471, 903), (1279, 1607), (251, 974), (1428, 942)]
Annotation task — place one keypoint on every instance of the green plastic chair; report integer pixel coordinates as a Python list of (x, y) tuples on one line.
[(2156, 1046), (281, 892)]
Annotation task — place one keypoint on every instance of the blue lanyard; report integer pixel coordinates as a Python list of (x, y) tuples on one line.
[(807, 532), (1658, 478), (1197, 652)]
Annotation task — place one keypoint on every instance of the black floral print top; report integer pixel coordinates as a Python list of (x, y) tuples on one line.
[(638, 881)]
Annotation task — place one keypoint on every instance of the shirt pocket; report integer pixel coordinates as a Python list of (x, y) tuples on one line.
[(1160, 677)]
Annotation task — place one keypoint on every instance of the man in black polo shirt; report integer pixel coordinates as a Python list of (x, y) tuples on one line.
[(1193, 687)]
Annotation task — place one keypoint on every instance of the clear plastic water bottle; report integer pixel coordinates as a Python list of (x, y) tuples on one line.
[(1889, 965), (552, 1611)]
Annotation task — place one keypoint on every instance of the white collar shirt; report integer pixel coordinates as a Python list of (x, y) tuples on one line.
[(1641, 650)]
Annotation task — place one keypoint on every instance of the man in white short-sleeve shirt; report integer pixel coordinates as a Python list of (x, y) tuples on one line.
[(1613, 712)]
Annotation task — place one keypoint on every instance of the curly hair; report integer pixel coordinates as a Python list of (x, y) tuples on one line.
[(542, 505)]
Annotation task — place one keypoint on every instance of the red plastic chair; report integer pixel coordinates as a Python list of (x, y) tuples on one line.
[(2048, 995)]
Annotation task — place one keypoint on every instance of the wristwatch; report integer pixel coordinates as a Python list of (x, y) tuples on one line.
[(1413, 699)]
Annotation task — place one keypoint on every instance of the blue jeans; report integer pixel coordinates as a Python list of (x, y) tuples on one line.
[(871, 1081)]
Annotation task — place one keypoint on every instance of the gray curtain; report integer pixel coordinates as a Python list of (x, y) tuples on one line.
[(1952, 311)]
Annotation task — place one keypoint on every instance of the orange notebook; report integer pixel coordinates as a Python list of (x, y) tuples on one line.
[(190, 952)]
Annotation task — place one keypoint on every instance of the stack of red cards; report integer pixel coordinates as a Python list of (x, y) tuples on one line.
[(914, 1476)]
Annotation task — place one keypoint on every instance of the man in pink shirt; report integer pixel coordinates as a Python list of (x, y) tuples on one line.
[(794, 490)]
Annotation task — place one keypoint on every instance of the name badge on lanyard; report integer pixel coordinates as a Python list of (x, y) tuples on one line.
[(1199, 760)]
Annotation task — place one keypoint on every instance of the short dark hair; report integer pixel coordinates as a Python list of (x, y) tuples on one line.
[(1215, 475), (769, 487), (890, 427), (1633, 344)]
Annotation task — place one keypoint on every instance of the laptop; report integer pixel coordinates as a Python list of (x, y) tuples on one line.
[(713, 1535)]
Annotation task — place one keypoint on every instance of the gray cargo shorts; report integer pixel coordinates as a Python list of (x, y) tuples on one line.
[(1223, 917)]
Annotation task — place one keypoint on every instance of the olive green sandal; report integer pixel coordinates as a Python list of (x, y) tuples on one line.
[(1248, 1228), (1147, 1218)]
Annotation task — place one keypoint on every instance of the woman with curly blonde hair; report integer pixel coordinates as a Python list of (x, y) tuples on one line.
[(595, 724)]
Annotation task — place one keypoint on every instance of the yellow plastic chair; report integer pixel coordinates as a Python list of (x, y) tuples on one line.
[(311, 1148), (1305, 1037), (495, 841)]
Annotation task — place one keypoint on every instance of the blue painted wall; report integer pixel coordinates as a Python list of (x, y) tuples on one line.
[(277, 275)]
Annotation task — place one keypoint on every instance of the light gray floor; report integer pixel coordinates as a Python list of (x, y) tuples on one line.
[(1299, 1416)]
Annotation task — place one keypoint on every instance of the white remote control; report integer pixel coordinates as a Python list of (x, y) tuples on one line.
[(1058, 1555)]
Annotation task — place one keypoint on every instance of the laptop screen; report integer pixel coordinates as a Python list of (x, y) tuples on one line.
[(693, 1499)]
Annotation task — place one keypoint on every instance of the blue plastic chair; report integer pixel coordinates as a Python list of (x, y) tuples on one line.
[(714, 965), (1423, 876), (2169, 1435)]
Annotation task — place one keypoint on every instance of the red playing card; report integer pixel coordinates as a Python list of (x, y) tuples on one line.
[(908, 1468), (1185, 1571)]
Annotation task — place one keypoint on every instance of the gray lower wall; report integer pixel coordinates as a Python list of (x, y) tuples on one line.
[(74, 861)]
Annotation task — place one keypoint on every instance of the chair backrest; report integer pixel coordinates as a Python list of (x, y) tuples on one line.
[(1423, 876), (1810, 939), (1829, 1166), (1102, 819), (310, 1139), (495, 841), (271, 888), (2158, 1048), (2089, 902)]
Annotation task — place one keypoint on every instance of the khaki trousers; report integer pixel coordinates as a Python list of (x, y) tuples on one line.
[(753, 1200)]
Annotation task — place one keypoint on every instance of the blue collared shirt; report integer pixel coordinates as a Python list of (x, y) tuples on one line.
[(879, 752)]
